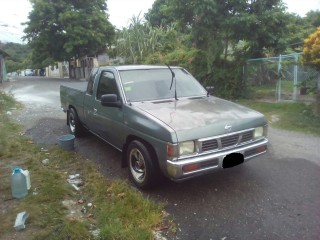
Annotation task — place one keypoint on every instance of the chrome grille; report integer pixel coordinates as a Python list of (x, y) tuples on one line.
[(247, 136), (229, 140), (210, 145), (225, 141)]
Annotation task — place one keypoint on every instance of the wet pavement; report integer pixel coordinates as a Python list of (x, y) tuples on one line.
[(273, 197)]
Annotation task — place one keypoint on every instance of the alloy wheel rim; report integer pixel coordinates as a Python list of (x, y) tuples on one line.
[(137, 165), (72, 123)]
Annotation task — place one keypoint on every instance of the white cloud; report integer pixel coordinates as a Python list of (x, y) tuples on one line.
[(12, 14), (302, 7), (121, 11)]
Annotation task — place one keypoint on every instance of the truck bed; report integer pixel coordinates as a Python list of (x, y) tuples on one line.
[(80, 86), (72, 94)]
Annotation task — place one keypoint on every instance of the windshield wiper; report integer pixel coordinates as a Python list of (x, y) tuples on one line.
[(175, 82)]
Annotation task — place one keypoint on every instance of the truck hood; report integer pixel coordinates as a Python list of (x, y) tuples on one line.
[(202, 117)]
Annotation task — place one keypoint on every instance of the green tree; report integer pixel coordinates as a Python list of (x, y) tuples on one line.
[(221, 35), (299, 28), (217, 26), (262, 24), (313, 17), (159, 14), (19, 56), (60, 30)]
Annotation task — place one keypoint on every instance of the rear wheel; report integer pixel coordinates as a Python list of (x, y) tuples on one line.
[(75, 125), (143, 170)]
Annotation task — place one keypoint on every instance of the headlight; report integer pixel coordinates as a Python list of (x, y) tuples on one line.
[(258, 132), (186, 148)]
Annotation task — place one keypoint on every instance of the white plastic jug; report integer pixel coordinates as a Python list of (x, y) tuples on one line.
[(27, 174), (18, 184)]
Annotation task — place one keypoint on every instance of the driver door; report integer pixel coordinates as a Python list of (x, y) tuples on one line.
[(108, 121)]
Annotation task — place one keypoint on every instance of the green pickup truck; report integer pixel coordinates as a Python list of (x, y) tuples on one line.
[(163, 121)]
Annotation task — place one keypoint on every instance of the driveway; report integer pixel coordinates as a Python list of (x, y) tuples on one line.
[(273, 197)]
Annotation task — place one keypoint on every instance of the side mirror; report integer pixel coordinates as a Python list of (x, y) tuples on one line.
[(210, 90), (110, 100)]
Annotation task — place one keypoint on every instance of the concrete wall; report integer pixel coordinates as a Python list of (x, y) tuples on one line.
[(60, 70)]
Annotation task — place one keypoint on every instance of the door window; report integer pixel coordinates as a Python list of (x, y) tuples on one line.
[(91, 80), (107, 85)]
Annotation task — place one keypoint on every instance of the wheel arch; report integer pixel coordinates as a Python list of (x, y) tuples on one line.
[(131, 138)]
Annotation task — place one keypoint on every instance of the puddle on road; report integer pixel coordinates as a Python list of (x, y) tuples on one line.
[(30, 95), (38, 104)]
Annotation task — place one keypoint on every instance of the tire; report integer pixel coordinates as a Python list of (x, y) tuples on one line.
[(75, 126), (143, 171)]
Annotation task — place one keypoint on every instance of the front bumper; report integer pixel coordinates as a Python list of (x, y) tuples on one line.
[(206, 163)]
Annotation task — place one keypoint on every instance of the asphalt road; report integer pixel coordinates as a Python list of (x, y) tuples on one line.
[(276, 196)]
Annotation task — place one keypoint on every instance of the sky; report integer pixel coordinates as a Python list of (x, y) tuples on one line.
[(15, 12)]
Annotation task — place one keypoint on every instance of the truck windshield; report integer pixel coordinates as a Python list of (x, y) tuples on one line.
[(154, 84)]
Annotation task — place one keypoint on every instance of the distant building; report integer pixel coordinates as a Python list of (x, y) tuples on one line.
[(80, 68), (59, 70), (3, 71)]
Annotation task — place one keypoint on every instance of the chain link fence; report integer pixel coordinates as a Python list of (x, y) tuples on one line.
[(281, 78)]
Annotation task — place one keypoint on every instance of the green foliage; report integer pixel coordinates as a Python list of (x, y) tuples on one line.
[(6, 103), (263, 24), (154, 59), (227, 79), (120, 216), (159, 14), (180, 57), (18, 52), (134, 42), (299, 28), (59, 30), (313, 17), (13, 66), (19, 56), (140, 40)]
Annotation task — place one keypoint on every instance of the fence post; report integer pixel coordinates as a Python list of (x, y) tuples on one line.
[(295, 78), (279, 78)]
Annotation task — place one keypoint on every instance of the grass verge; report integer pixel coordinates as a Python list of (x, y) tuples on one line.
[(56, 210), (288, 115)]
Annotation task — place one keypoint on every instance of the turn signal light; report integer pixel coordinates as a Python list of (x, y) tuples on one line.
[(190, 167), (261, 149), (170, 150)]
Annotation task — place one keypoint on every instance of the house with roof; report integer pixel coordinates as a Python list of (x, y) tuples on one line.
[(3, 72)]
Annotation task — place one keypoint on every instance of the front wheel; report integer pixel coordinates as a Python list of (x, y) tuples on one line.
[(143, 170), (74, 123)]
